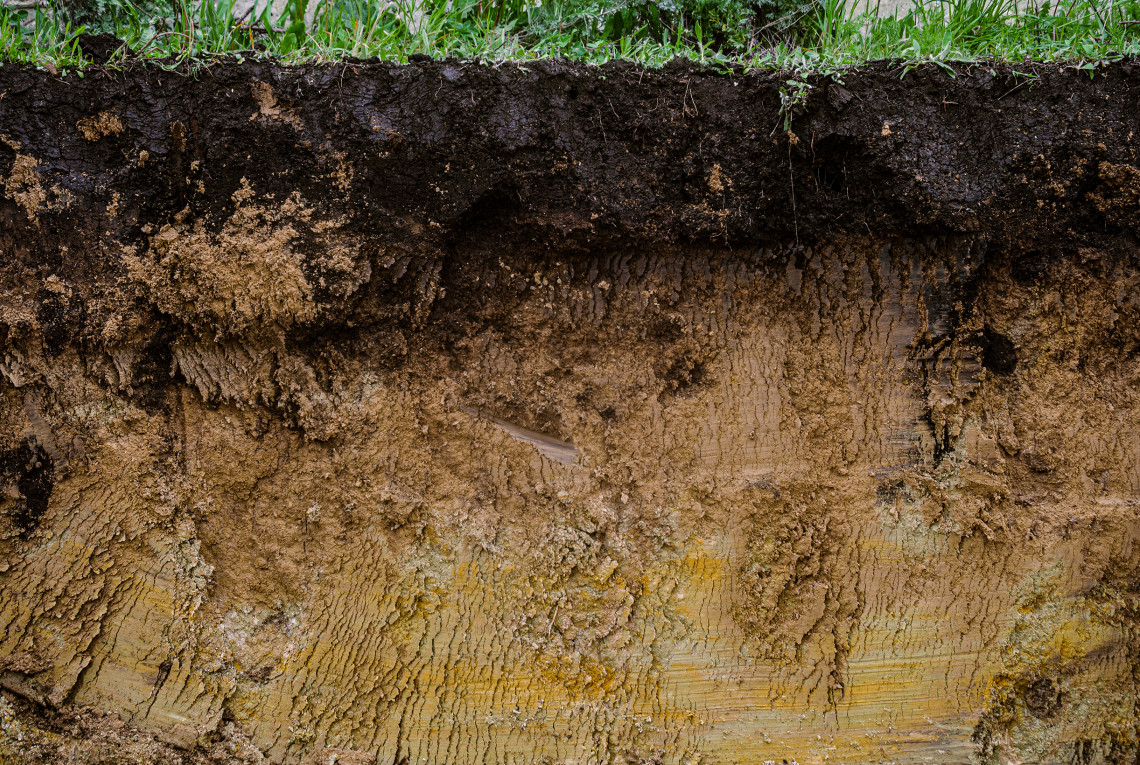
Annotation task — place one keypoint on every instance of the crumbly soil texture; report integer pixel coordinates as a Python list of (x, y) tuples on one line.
[(448, 413)]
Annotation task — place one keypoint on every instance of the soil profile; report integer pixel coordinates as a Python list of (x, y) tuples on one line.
[(450, 413)]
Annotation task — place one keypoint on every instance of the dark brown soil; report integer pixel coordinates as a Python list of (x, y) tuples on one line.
[(572, 158)]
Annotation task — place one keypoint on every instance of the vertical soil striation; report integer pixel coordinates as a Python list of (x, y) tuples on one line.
[(453, 414)]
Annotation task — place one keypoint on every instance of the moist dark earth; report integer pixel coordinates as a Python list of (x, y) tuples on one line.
[(461, 413)]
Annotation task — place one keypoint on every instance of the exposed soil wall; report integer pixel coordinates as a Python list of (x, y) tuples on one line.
[(454, 414)]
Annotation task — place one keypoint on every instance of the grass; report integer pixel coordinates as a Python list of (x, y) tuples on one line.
[(812, 35)]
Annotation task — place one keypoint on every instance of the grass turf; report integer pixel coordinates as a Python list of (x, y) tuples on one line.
[(810, 36)]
